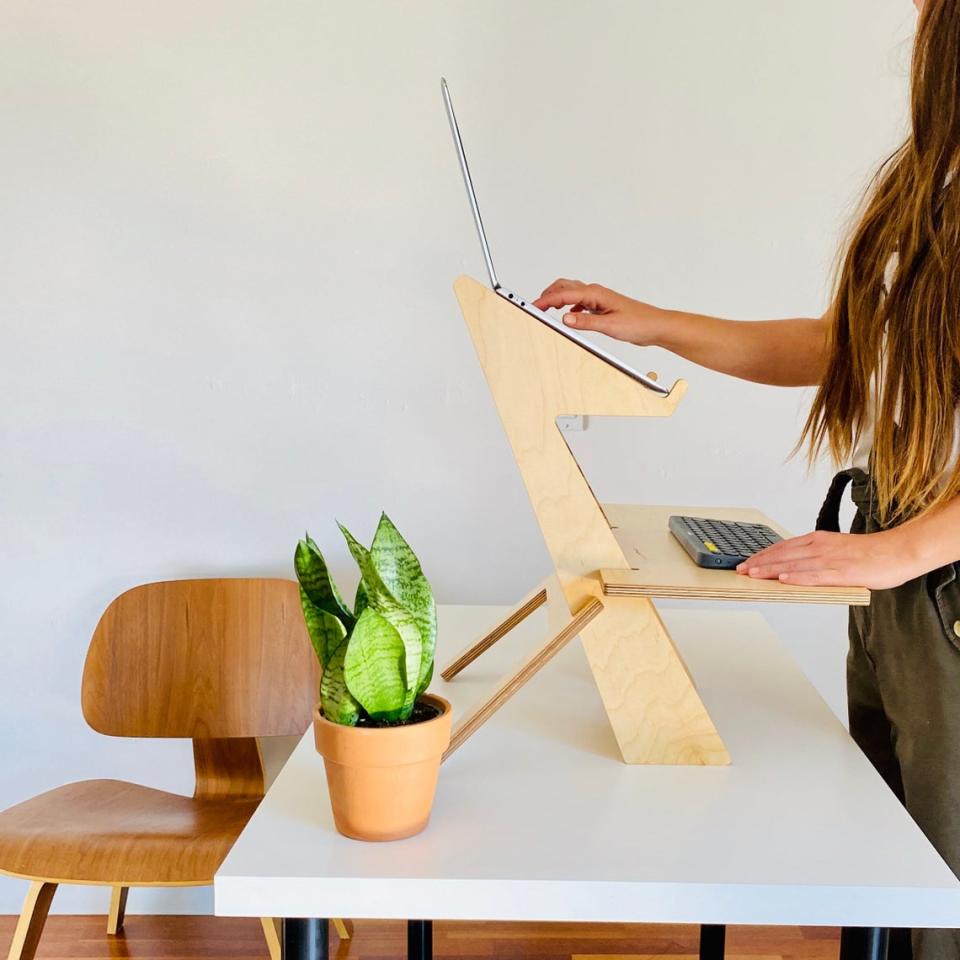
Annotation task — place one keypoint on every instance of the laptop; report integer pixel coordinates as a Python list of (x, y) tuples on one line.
[(714, 544), (522, 302)]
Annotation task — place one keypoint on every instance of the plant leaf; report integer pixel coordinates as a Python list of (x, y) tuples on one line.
[(425, 681), (360, 601), (336, 700), (402, 574), (326, 631), (316, 581), (385, 603), (374, 666)]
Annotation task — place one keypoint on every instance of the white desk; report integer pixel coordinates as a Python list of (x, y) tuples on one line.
[(536, 818)]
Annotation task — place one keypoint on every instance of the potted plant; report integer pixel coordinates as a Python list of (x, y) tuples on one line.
[(381, 735)]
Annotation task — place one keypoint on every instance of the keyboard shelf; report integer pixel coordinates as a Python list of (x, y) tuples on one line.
[(660, 567)]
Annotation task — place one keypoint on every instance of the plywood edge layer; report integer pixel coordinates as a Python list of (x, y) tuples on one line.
[(617, 583)]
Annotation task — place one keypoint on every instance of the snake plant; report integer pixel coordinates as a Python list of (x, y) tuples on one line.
[(378, 657)]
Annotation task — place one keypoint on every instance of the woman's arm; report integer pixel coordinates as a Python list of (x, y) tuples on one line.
[(785, 353), (875, 560)]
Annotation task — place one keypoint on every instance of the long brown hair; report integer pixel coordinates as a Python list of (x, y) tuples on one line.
[(895, 330)]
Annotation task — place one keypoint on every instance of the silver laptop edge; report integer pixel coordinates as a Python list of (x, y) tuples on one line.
[(515, 299)]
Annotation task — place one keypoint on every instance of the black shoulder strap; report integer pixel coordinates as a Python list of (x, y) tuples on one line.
[(829, 516)]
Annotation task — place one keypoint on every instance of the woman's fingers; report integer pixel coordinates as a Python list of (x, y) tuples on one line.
[(562, 283), (600, 322), (586, 296), (791, 549), (565, 297), (556, 287), (770, 571), (554, 298)]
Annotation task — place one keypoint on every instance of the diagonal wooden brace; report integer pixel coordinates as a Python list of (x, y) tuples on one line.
[(532, 602), (539, 659)]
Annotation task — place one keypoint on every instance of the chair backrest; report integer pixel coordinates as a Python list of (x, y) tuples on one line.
[(202, 659)]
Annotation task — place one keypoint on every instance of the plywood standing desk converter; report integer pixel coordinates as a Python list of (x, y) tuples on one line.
[(535, 819), (608, 563)]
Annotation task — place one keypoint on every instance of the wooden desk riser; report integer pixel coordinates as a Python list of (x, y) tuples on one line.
[(617, 557)]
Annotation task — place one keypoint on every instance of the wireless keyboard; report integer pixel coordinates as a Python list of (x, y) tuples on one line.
[(721, 544)]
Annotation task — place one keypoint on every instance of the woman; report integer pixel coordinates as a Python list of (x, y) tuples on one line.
[(886, 361)]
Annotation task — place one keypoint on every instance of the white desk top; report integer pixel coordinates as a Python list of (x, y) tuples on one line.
[(536, 818)]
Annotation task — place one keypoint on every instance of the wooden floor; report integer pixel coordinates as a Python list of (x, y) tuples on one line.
[(209, 938)]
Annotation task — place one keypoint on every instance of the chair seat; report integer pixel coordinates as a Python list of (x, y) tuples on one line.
[(110, 831)]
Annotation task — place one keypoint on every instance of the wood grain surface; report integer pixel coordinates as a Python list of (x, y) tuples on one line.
[(117, 833), (219, 938), (201, 658)]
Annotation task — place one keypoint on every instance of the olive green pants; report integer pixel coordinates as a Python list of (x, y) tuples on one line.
[(903, 689)]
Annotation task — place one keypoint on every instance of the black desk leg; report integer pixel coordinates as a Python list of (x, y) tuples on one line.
[(305, 939), (713, 938), (420, 940), (864, 943)]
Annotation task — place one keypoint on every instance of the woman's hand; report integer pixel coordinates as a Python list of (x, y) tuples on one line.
[(877, 561), (597, 308)]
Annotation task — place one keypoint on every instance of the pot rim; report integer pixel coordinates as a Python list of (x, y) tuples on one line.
[(445, 709)]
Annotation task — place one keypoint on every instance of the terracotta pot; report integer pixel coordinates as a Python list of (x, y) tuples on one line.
[(382, 780)]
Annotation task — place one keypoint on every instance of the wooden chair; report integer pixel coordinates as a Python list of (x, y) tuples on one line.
[(221, 662)]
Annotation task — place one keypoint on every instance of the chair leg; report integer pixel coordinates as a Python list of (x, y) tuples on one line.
[(118, 908), (271, 933), (32, 918), (343, 928)]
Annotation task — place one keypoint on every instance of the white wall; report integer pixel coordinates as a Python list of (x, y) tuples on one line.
[(228, 236)]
